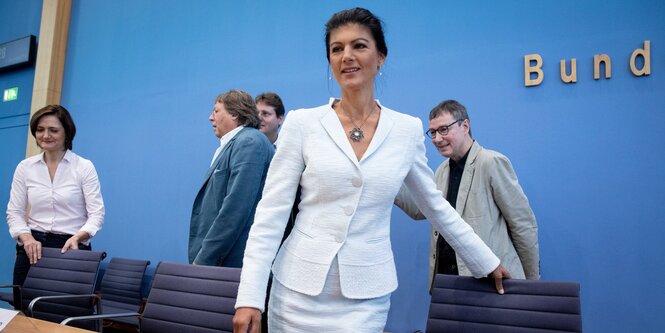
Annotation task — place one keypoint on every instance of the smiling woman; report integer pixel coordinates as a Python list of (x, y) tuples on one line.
[(61, 189), (354, 57), (335, 271)]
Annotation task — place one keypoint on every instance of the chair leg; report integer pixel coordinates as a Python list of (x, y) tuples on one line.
[(18, 304)]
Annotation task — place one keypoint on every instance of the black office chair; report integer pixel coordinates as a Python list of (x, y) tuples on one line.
[(62, 285), (464, 304), (186, 298), (120, 290), (190, 298)]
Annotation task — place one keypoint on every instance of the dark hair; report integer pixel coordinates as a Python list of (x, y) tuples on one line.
[(362, 17), (273, 100), (241, 105), (452, 107), (63, 116)]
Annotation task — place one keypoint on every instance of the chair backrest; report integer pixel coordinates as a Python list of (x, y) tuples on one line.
[(121, 284), (71, 273), (464, 304), (191, 298)]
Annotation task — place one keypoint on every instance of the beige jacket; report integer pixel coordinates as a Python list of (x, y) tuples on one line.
[(491, 200)]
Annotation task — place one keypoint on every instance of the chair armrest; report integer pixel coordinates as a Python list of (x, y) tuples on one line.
[(41, 298), (9, 286), (18, 305), (101, 316)]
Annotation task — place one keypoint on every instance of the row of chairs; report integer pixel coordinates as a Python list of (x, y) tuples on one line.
[(182, 298), (188, 298)]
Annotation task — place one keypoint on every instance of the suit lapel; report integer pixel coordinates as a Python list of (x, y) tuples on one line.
[(467, 178), (381, 133), (446, 176), (215, 164), (334, 128)]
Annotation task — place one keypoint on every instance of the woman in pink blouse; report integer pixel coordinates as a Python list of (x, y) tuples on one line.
[(55, 199)]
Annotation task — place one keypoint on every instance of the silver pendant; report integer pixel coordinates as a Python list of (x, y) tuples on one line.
[(356, 134)]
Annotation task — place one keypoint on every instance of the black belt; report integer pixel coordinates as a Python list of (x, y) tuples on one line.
[(50, 234)]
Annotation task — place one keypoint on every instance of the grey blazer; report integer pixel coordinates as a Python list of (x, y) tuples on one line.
[(224, 207), (491, 200)]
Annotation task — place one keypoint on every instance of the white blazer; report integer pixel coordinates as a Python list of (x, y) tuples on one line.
[(345, 208)]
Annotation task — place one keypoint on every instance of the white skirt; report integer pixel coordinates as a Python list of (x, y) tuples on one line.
[(293, 312)]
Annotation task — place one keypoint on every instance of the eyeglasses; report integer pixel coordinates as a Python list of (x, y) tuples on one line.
[(443, 130)]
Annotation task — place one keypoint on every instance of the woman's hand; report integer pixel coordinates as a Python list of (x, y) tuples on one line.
[(73, 242), (32, 247), (247, 320), (498, 275)]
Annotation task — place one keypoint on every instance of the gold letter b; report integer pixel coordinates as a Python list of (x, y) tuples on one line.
[(537, 68)]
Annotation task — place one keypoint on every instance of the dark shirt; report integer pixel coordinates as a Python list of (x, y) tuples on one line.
[(446, 262)]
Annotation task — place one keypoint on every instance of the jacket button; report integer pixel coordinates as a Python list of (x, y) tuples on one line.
[(436, 233), (356, 182), (348, 210)]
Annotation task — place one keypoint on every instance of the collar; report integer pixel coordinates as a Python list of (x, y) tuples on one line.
[(462, 161), (228, 136), (69, 155)]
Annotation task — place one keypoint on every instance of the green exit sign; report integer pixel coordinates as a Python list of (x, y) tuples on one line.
[(10, 94)]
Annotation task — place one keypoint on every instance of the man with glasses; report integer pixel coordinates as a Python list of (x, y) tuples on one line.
[(482, 186)]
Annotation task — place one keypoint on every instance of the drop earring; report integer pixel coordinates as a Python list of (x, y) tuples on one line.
[(379, 69)]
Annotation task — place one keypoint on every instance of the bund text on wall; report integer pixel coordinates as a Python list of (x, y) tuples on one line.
[(534, 75)]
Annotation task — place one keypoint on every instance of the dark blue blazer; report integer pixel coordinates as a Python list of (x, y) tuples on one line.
[(224, 208)]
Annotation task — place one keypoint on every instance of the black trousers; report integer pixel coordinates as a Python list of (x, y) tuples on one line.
[(22, 264)]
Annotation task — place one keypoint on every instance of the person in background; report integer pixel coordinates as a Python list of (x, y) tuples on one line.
[(482, 186), (223, 209), (271, 112), (335, 272), (55, 198)]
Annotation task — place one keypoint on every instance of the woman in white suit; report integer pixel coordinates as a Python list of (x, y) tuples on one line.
[(335, 272)]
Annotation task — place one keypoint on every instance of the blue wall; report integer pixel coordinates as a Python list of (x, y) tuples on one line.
[(140, 79), (17, 19)]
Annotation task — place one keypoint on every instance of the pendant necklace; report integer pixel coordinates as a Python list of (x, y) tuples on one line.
[(356, 134)]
